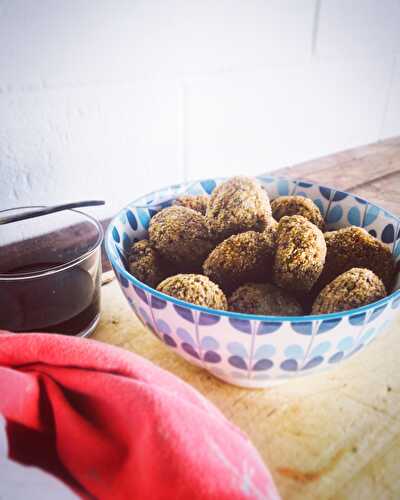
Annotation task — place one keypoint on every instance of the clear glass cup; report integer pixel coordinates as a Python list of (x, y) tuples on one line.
[(50, 273)]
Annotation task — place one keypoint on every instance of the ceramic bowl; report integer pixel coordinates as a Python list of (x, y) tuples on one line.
[(249, 350)]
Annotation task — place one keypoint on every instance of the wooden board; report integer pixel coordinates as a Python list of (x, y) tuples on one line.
[(334, 435)]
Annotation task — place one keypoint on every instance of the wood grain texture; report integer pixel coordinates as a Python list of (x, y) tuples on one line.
[(334, 435), (371, 171)]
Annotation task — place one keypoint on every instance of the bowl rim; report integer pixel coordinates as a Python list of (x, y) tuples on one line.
[(230, 314)]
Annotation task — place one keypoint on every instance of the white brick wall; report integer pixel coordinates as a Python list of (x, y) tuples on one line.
[(115, 98)]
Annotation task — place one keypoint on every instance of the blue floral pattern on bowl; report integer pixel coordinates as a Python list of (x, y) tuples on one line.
[(248, 350)]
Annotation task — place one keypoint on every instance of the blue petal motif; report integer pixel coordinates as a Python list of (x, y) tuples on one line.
[(126, 242), (209, 344), (289, 365), (326, 192), (336, 357), (153, 212), (372, 232), (124, 281), (335, 214), (266, 327), (185, 336), (212, 357), (263, 365), (206, 319), (184, 313), (132, 219), (122, 257), (345, 344), (357, 319), (354, 216), (141, 294), (313, 363), (376, 313), (265, 351), (396, 303), (237, 349), (388, 234), (163, 326), (283, 187), (237, 362), (320, 205), (304, 184), (294, 352), (302, 327), (208, 185), (115, 235), (328, 324), (320, 349), (144, 217), (190, 350), (158, 303), (144, 316), (371, 215), (339, 196), (242, 325), (169, 341)]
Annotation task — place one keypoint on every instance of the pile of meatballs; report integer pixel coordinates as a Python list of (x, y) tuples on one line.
[(235, 250)]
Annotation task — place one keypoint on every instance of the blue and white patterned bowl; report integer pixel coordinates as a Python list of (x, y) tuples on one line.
[(249, 350)]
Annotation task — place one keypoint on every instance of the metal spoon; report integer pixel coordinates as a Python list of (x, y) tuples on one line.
[(49, 210)]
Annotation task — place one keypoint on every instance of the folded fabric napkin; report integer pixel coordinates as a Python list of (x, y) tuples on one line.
[(110, 424)]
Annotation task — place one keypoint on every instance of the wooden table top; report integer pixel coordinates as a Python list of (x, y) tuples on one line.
[(334, 435)]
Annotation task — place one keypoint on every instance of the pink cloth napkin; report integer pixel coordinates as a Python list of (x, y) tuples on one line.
[(113, 425)]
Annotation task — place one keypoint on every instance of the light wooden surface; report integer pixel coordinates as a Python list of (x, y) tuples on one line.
[(334, 435)]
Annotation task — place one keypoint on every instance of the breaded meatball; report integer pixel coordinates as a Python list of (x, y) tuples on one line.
[(355, 247), (181, 236), (146, 264), (300, 254), (196, 289), (198, 203), (297, 205), (265, 299), (354, 288), (241, 258), (236, 206)]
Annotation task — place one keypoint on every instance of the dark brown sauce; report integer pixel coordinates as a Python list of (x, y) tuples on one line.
[(64, 302)]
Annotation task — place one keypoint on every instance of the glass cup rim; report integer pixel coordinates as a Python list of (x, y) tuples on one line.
[(65, 265)]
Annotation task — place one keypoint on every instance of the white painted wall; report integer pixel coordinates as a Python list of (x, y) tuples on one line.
[(115, 98)]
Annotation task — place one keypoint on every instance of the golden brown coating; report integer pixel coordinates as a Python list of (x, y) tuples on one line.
[(198, 203), (354, 288), (265, 299), (146, 264), (300, 254), (241, 258), (181, 236), (297, 205), (355, 247), (236, 206), (196, 289)]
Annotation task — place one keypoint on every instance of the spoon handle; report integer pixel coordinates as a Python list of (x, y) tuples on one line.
[(38, 212)]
